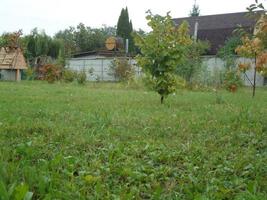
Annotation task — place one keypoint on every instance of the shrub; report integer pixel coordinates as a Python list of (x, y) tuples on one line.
[(121, 69), (81, 77), (50, 73), (69, 75), (30, 75), (232, 80)]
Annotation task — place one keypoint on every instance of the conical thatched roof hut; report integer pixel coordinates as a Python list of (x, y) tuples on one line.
[(12, 62)]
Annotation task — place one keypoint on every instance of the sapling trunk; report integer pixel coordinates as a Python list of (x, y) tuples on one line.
[(255, 73), (254, 83), (161, 99)]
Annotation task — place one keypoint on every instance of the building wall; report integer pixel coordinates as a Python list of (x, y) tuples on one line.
[(8, 75)]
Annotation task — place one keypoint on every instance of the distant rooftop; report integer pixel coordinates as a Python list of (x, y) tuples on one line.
[(101, 53), (217, 28)]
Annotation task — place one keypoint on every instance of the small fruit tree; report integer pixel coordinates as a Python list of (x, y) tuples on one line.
[(162, 50), (254, 46)]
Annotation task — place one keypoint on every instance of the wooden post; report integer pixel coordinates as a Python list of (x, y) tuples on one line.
[(18, 75)]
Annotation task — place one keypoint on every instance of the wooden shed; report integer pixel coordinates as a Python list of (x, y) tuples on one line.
[(12, 62)]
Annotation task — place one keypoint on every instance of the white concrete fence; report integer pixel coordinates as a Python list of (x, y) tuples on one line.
[(98, 68)]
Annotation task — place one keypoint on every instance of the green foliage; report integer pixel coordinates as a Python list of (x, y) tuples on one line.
[(84, 38), (195, 12), (68, 38), (162, 50), (68, 75), (16, 192), (218, 97), (11, 40), (103, 141), (3, 41), (232, 80), (61, 61), (121, 69), (125, 28), (148, 81), (192, 62), (254, 45), (229, 46), (81, 77), (124, 25), (30, 74), (227, 52), (39, 44)]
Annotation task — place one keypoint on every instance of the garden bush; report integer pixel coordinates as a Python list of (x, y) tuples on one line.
[(69, 75), (50, 73), (81, 77), (232, 80), (121, 69)]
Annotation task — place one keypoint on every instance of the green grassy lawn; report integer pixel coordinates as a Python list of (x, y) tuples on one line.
[(103, 141)]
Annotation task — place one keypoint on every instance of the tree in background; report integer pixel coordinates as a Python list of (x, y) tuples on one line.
[(125, 28), (10, 40), (162, 50), (254, 46), (195, 12), (67, 37), (3, 41), (84, 38), (37, 43)]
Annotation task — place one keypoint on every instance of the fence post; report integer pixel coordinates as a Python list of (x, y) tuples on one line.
[(83, 64), (102, 69)]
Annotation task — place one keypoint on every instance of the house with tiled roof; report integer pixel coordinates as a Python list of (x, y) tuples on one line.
[(217, 28)]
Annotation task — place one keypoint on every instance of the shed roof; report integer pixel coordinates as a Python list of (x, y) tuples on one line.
[(104, 53), (217, 28), (12, 59)]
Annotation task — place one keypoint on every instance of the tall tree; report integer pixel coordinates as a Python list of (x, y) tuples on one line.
[(39, 44), (195, 12), (67, 36), (125, 28)]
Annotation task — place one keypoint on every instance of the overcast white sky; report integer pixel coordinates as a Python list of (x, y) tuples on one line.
[(55, 15)]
